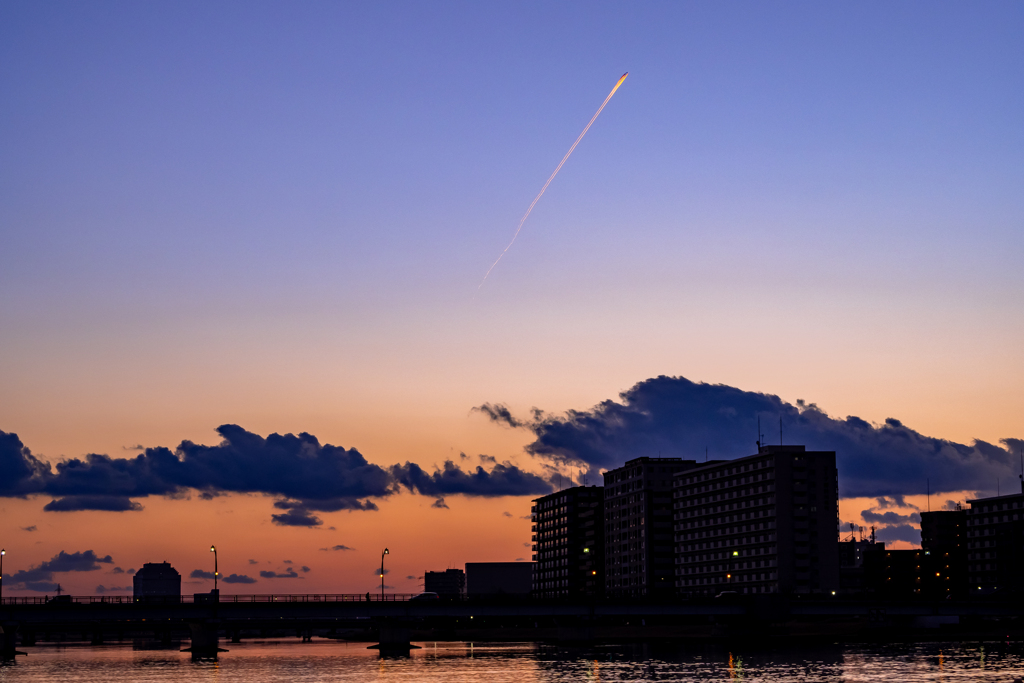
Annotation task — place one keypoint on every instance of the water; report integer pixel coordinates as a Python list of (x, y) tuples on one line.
[(260, 662)]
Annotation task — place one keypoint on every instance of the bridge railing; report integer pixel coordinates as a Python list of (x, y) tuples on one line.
[(203, 598)]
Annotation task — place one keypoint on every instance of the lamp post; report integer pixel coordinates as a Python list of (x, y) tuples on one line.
[(213, 549), (382, 572), (2, 553)]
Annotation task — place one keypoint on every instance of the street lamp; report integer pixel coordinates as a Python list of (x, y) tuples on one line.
[(213, 549), (382, 572), (2, 553)]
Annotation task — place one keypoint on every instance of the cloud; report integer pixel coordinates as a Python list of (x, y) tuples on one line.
[(29, 528), (20, 472), (238, 578), (440, 504), (305, 476), (338, 547), (40, 577), (200, 574), (305, 570), (131, 572), (297, 517), (499, 412), (117, 570), (101, 589), (504, 479), (136, 447), (890, 517), (104, 503), (894, 501), (902, 532), (290, 574), (253, 562), (411, 577), (377, 572), (673, 416), (506, 514), (288, 562)]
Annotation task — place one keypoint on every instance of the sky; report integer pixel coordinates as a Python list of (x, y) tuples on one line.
[(221, 222)]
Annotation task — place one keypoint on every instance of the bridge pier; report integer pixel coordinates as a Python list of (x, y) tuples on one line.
[(393, 638), (205, 643), (8, 636)]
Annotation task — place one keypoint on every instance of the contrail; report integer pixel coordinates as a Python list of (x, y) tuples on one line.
[(559, 168)]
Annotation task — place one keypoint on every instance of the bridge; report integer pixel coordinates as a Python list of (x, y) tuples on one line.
[(393, 619)]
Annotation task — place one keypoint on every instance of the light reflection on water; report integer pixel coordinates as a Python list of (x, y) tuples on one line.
[(258, 662)]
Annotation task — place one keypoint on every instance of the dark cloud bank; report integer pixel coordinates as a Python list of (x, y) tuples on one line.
[(673, 416), (670, 416), (306, 476)]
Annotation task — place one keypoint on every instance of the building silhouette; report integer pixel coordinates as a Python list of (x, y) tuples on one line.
[(894, 573), (638, 526), (944, 543), (765, 523), (995, 544), (157, 580), (568, 543), (450, 582), (494, 578), (852, 552)]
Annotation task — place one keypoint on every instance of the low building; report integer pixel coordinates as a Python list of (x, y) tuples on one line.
[(568, 543), (851, 561), (765, 523), (894, 573), (497, 578), (450, 582), (157, 580)]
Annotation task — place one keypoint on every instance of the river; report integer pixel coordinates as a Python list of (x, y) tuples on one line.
[(272, 661)]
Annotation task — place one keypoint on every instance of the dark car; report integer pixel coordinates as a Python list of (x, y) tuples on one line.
[(425, 597)]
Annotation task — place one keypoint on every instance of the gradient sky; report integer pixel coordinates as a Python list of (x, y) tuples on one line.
[(277, 215)]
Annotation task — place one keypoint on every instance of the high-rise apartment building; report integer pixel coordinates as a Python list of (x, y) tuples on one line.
[(568, 543), (766, 523), (944, 544), (638, 526), (995, 544)]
